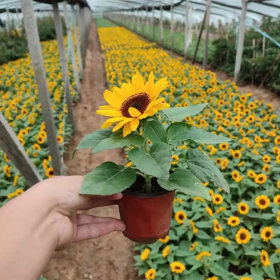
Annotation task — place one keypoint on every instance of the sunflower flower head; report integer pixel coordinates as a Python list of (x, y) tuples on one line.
[(177, 267), (132, 103)]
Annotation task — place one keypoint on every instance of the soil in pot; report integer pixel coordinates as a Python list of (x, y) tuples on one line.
[(147, 215)]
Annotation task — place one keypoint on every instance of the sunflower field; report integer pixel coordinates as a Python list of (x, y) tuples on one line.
[(236, 235), (20, 105)]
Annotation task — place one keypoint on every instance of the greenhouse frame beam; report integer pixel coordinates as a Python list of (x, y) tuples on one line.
[(15, 152), (241, 36), (40, 76), (72, 48), (63, 61), (207, 22)]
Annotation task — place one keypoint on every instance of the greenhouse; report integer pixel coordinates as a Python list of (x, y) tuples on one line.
[(140, 140)]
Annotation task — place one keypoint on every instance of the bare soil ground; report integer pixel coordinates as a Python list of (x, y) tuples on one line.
[(109, 257)]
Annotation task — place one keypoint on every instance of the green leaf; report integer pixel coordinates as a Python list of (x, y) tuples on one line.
[(252, 253), (156, 163), (107, 179), (181, 253), (93, 139), (276, 242), (155, 131), (205, 169), (179, 113), (116, 140), (269, 270), (182, 132), (203, 235), (183, 180)]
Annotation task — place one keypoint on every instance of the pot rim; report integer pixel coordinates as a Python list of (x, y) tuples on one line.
[(138, 194)]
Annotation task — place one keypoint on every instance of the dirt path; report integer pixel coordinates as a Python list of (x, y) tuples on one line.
[(109, 257)]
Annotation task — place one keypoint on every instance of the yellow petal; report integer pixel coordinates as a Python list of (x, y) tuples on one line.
[(137, 83), (133, 112), (158, 87), (149, 85), (134, 124), (145, 115), (107, 107), (126, 130), (106, 125), (109, 113), (155, 102), (126, 90), (111, 121), (113, 99), (121, 124), (161, 106), (151, 112)]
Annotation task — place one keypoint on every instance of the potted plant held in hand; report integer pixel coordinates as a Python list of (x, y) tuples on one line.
[(149, 130)]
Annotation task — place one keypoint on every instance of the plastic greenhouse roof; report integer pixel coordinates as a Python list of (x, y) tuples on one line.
[(223, 10)]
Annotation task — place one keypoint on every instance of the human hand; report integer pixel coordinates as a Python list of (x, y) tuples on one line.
[(70, 226), (45, 218)]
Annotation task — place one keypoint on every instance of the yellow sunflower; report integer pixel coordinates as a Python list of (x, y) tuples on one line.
[(243, 208), (49, 172), (133, 102), (209, 211), (203, 254), (145, 254), (217, 199), (242, 236), (193, 246), (223, 146), (276, 199), (265, 258), (246, 278), (233, 221), (266, 234), (150, 274), (164, 240), (166, 251), (177, 267), (260, 178), (180, 216), (262, 201)]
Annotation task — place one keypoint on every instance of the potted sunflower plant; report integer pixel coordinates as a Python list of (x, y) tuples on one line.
[(144, 125)]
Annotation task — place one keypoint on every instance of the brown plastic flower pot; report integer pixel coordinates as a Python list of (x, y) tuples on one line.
[(147, 216)]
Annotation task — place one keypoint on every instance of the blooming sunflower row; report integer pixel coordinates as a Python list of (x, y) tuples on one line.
[(236, 235), (20, 105)]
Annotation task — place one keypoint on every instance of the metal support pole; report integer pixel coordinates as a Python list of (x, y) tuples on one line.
[(40, 76), (172, 28), (240, 42), (205, 59), (148, 27), (138, 20), (187, 28), (62, 54), (16, 153), (8, 18), (154, 28), (199, 38), (71, 47), (77, 38), (161, 23)]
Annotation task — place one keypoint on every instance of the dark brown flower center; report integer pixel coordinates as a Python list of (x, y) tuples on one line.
[(243, 236), (243, 208), (261, 179), (233, 221), (217, 199), (264, 258), (267, 234), (177, 267), (139, 101), (181, 217), (262, 202), (51, 173)]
